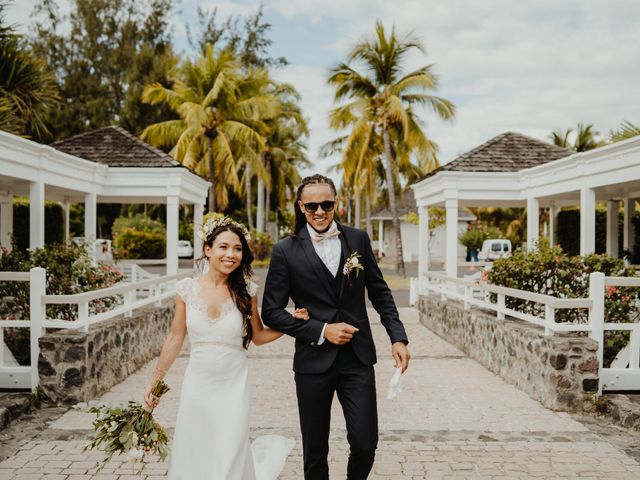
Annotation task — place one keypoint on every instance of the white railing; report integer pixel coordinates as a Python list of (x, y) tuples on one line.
[(477, 293), (153, 291), (18, 376), (624, 371)]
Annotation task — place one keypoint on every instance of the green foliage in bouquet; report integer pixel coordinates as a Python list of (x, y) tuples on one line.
[(130, 430), (69, 271), (550, 271), (139, 237)]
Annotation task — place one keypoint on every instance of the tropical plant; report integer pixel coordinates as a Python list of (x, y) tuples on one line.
[(284, 152), (625, 130), (138, 236), (582, 139), (382, 102), (219, 119), (27, 88)]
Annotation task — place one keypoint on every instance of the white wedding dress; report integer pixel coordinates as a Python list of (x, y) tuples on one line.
[(211, 440)]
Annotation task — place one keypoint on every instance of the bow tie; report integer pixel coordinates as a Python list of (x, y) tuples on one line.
[(321, 237)]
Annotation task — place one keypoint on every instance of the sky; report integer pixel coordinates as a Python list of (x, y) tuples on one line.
[(507, 65)]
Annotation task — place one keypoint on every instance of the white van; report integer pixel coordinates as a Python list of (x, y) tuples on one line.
[(494, 248)]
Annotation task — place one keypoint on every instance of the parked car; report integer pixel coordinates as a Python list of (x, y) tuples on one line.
[(494, 248), (185, 250)]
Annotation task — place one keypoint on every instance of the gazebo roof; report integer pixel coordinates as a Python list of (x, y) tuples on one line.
[(115, 147), (508, 152)]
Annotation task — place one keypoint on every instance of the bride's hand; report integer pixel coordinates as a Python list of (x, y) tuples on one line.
[(150, 402), (301, 314)]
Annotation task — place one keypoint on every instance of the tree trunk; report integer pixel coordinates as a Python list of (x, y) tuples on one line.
[(260, 209), (367, 212), (212, 178), (267, 205), (358, 210), (248, 181), (388, 169)]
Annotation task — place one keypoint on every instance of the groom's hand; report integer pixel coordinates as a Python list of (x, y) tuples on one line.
[(401, 355), (339, 333)]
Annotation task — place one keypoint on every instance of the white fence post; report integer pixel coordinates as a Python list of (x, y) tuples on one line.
[(549, 317), (467, 297), (501, 306), (37, 312), (83, 314), (596, 317)]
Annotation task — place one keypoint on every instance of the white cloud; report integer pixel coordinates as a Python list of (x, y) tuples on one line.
[(524, 66)]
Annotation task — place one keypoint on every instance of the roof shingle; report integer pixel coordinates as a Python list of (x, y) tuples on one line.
[(115, 147), (508, 152)]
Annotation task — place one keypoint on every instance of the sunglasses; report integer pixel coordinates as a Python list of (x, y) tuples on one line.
[(327, 206)]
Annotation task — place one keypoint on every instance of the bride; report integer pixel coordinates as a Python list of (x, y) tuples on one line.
[(219, 311)]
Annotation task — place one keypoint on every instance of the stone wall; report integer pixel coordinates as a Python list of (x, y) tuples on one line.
[(560, 371), (78, 366)]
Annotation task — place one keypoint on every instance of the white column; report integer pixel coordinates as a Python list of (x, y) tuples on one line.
[(198, 213), (380, 237), (260, 209), (612, 227), (6, 220), (67, 217), (90, 220), (36, 214), (552, 225), (628, 236), (423, 247), (172, 235), (533, 223), (587, 221), (451, 257)]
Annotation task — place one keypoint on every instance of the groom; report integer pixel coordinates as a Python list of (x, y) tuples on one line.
[(335, 351)]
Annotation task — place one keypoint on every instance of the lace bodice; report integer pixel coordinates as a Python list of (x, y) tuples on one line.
[(226, 328)]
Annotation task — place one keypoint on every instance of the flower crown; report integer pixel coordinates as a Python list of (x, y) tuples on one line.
[(221, 221)]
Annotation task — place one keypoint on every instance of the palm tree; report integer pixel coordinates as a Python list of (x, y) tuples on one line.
[(27, 88), (624, 131), (585, 138), (284, 152), (219, 120), (387, 100)]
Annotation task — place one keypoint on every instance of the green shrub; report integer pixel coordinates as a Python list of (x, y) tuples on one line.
[(53, 222), (137, 237), (550, 271), (476, 234), (261, 245), (69, 270)]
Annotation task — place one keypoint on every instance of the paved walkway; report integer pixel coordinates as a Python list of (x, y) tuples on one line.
[(454, 420)]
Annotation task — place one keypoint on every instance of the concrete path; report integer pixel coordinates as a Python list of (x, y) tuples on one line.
[(453, 420)]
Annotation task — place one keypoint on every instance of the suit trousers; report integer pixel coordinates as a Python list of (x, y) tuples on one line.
[(355, 386)]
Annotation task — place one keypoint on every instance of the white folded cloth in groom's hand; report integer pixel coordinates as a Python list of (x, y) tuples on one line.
[(394, 385)]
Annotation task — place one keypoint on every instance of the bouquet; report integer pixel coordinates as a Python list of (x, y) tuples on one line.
[(128, 429)]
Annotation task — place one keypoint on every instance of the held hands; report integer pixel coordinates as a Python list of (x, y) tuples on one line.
[(300, 314), (339, 333), (401, 355)]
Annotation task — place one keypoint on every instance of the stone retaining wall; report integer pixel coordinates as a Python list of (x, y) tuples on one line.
[(560, 371), (78, 366)]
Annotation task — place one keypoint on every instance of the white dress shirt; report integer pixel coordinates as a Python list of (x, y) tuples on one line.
[(330, 252)]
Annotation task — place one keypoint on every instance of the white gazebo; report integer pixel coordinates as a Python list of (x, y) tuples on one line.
[(513, 170), (108, 165)]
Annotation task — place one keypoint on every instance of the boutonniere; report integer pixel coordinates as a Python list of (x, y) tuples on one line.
[(352, 263)]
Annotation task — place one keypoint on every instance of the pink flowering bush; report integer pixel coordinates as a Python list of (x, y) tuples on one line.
[(550, 271), (69, 271)]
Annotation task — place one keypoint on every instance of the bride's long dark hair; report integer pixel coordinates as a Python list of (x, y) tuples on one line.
[(237, 280)]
